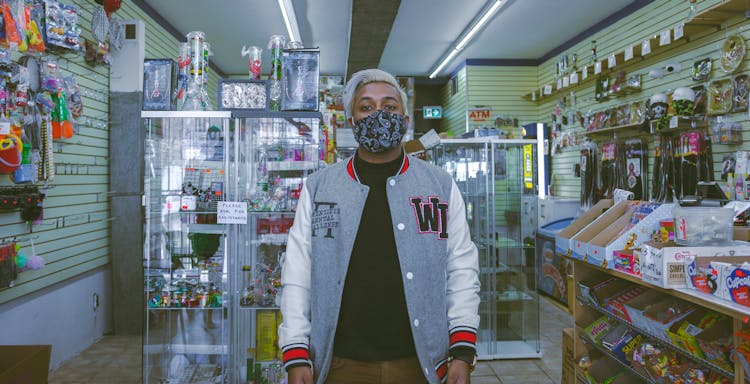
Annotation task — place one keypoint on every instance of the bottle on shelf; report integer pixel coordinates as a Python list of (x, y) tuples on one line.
[(261, 198), (248, 291)]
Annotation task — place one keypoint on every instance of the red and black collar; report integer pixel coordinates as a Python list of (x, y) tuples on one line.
[(350, 169)]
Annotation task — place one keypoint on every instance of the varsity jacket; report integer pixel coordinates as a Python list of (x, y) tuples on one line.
[(439, 263)]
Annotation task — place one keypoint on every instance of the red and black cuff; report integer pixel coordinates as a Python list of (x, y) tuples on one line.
[(463, 343), (295, 355)]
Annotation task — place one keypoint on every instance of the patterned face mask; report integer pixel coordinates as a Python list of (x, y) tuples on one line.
[(380, 131)]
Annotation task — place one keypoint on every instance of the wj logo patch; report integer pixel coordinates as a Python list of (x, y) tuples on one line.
[(432, 216), (325, 217)]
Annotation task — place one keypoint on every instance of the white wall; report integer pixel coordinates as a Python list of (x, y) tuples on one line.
[(61, 315)]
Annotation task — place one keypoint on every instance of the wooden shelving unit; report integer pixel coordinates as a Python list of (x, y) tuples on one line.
[(582, 311)]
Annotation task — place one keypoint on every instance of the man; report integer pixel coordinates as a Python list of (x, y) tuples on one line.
[(380, 281)]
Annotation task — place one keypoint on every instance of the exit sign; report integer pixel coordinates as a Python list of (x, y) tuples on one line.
[(432, 112)]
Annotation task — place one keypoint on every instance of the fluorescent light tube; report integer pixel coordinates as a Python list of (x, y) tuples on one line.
[(465, 40), (479, 24), (443, 63), (290, 20)]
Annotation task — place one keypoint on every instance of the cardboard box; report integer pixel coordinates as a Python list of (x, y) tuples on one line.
[(655, 313), (716, 343), (741, 233), (663, 264), (600, 250), (563, 238), (579, 241), (722, 276), (627, 261), (21, 364), (616, 303), (682, 333)]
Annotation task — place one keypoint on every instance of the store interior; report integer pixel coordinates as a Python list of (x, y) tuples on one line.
[(155, 156)]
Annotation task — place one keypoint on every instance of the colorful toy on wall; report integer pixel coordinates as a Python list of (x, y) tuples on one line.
[(683, 101)]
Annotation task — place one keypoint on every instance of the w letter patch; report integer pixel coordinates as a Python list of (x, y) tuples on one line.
[(432, 216)]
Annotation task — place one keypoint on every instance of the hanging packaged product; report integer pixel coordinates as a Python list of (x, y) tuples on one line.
[(61, 23), (11, 149), (589, 174), (253, 54), (636, 168), (609, 170), (662, 190), (62, 127), (740, 101)]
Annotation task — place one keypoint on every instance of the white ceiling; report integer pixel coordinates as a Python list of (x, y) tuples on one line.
[(422, 31)]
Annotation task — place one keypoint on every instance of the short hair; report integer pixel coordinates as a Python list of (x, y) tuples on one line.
[(367, 76)]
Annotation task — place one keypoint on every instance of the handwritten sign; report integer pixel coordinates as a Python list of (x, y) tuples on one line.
[(231, 212)]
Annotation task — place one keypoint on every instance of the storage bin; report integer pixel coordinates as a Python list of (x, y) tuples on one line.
[(703, 225)]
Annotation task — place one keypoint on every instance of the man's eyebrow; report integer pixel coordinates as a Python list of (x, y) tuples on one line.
[(368, 98)]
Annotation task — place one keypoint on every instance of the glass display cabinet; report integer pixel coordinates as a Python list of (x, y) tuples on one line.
[(211, 279), (187, 173), (497, 179), (277, 151)]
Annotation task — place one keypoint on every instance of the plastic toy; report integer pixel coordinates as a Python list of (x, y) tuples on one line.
[(62, 127)]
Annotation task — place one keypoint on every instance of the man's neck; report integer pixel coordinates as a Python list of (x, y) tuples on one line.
[(382, 157)]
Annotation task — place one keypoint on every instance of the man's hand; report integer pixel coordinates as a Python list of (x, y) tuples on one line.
[(301, 375), (459, 372)]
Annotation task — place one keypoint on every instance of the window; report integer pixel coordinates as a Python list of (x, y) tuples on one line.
[(454, 85)]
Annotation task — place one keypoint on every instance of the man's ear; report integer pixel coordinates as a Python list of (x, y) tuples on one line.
[(406, 119)]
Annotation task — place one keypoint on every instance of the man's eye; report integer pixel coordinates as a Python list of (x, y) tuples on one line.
[(390, 107), (365, 108)]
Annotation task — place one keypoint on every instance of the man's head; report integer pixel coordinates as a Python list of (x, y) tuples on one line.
[(376, 108), (353, 97)]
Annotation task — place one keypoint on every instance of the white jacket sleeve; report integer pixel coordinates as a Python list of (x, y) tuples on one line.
[(294, 331), (463, 276)]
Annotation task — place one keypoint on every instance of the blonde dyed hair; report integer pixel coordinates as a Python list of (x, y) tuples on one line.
[(367, 76)]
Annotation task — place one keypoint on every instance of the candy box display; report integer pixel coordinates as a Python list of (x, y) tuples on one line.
[(656, 312), (616, 303), (663, 264), (597, 329), (618, 338), (634, 227), (563, 239), (598, 292), (628, 261), (726, 277), (682, 333), (716, 343)]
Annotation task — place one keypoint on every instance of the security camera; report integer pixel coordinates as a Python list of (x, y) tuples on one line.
[(672, 68)]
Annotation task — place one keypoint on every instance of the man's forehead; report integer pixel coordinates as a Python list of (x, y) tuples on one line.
[(377, 90)]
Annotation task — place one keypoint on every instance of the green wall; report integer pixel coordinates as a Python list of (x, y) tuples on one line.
[(504, 87)]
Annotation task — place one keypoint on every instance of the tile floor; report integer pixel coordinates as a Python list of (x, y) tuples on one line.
[(117, 359)]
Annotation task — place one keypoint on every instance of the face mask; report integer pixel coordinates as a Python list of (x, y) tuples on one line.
[(380, 131)]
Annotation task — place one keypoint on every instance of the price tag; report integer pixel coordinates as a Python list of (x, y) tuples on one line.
[(646, 47), (548, 89), (574, 78), (559, 84), (719, 119), (673, 121), (628, 53), (533, 95), (231, 212), (4, 127), (611, 61), (679, 31), (566, 81), (585, 74), (598, 68), (665, 37)]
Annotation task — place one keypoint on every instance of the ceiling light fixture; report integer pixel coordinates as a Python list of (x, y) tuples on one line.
[(290, 20), (477, 24)]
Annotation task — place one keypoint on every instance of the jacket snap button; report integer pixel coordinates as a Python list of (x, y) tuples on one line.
[(409, 275), (392, 182), (416, 322), (400, 226)]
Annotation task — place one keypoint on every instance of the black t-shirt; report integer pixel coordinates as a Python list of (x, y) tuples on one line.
[(373, 321)]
